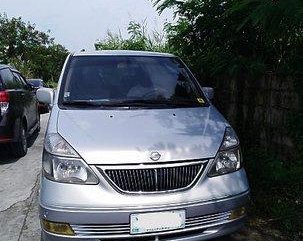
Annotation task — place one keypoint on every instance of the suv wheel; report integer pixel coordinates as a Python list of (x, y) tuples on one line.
[(19, 149)]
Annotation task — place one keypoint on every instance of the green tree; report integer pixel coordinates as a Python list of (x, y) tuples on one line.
[(280, 24), (238, 36), (239, 40), (31, 51)]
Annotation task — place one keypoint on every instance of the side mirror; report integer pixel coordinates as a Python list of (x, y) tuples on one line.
[(45, 95), (31, 86), (209, 92)]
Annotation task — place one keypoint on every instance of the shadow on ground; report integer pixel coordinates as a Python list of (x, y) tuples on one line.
[(7, 157)]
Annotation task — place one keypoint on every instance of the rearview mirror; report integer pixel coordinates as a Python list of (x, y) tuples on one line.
[(45, 95), (209, 92)]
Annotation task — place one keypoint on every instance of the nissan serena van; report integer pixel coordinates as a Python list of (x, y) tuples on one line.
[(135, 150)]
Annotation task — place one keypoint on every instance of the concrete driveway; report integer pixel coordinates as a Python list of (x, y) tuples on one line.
[(19, 185), (19, 191)]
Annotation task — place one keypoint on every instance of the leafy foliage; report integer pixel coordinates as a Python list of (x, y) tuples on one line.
[(231, 37), (31, 51), (280, 24), (242, 40), (207, 37), (138, 40)]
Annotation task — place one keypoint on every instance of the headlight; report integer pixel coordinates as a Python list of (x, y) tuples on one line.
[(226, 162), (230, 139), (61, 163), (56, 145), (229, 157)]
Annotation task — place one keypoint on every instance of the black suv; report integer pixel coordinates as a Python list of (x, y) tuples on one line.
[(19, 116)]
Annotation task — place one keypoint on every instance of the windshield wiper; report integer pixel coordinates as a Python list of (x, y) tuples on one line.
[(186, 103), (160, 103), (82, 103), (111, 104), (144, 103), (132, 103)]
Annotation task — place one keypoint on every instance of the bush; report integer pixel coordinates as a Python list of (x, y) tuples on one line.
[(138, 40)]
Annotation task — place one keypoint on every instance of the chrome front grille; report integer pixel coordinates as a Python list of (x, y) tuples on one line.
[(207, 220), (101, 230), (123, 230), (154, 178)]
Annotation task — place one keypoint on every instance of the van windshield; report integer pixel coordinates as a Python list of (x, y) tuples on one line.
[(129, 80)]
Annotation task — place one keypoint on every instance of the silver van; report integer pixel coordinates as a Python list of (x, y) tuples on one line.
[(135, 150)]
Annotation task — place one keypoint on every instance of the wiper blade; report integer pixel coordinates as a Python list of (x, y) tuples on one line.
[(132, 103), (82, 103), (113, 103), (186, 102), (157, 103), (141, 103)]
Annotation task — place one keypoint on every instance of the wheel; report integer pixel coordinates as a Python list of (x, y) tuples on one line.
[(19, 149)]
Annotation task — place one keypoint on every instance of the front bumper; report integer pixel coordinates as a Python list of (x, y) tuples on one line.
[(204, 220)]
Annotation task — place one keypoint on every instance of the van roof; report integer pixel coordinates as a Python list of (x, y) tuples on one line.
[(123, 53)]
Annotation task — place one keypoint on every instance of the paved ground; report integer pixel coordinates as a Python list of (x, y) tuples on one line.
[(19, 191), (19, 198)]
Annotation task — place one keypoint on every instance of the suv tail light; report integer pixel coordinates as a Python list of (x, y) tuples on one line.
[(4, 101)]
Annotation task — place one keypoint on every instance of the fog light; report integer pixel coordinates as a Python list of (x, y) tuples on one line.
[(57, 228), (237, 213)]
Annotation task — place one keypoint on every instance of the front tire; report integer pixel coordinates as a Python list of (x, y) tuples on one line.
[(19, 148)]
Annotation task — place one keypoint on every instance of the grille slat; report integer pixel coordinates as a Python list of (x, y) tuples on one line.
[(101, 229), (183, 177), (104, 226), (154, 179), (210, 216), (211, 220), (123, 230), (150, 179)]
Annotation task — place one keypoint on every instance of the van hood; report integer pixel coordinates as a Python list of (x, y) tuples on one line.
[(130, 136)]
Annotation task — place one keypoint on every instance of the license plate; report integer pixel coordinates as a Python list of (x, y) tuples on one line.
[(157, 222)]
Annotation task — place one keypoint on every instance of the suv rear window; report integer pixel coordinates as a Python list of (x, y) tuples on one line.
[(7, 78), (122, 80)]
